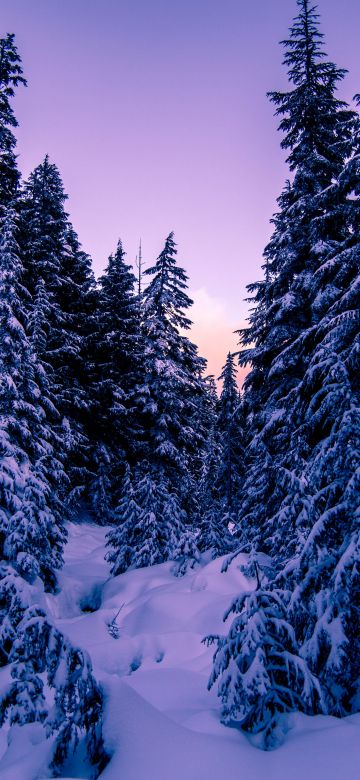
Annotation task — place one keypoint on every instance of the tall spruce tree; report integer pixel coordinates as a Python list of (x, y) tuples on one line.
[(174, 386), (31, 472), (116, 370), (10, 76), (31, 491), (301, 495), (223, 467), (170, 401), (231, 436), (32, 536), (59, 277), (319, 131)]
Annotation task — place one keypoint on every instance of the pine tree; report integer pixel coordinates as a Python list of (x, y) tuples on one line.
[(325, 571), (262, 677), (171, 396), (10, 76), (116, 358), (223, 468), (318, 132), (301, 494), (181, 543), (39, 652), (32, 536), (101, 484), (149, 526), (32, 483), (121, 538), (60, 281), (52, 257), (31, 474), (174, 388), (231, 438)]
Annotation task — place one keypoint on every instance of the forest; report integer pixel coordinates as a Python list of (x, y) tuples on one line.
[(108, 417)]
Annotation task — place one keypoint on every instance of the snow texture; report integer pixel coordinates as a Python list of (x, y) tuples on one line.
[(161, 723)]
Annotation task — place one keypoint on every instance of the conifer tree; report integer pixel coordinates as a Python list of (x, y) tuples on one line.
[(301, 494), (32, 535), (159, 503), (231, 439), (121, 538), (262, 677), (60, 281), (10, 76), (223, 468), (116, 370), (319, 132), (174, 387), (210, 454), (324, 574), (117, 358), (149, 526), (52, 257), (31, 473), (31, 490), (38, 652)]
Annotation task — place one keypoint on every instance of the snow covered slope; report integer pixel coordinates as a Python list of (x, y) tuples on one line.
[(161, 723)]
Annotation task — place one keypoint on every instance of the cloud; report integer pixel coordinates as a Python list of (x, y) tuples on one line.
[(213, 330)]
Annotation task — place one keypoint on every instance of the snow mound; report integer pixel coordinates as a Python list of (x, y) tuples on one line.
[(161, 722)]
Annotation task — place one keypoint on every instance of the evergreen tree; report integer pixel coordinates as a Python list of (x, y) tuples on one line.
[(59, 278), (121, 538), (214, 532), (324, 574), (149, 527), (174, 388), (301, 494), (262, 677), (101, 487), (31, 473), (10, 77), (231, 437), (32, 537), (116, 370), (206, 494), (150, 531), (223, 468), (38, 652), (171, 398), (180, 538), (32, 534), (319, 134), (53, 258)]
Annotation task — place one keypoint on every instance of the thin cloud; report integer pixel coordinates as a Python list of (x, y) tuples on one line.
[(213, 330)]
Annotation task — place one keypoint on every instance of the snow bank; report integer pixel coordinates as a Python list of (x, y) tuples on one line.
[(161, 723)]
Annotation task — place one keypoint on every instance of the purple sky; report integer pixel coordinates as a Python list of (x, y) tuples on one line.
[(155, 112)]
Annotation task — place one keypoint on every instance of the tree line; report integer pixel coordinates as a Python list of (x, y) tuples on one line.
[(106, 408)]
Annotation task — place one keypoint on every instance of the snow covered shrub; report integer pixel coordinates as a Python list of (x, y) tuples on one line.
[(39, 653), (261, 675)]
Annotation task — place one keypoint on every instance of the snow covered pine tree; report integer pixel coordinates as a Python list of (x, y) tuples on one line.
[(171, 397), (262, 677), (224, 468), (59, 278), (116, 371), (31, 510), (301, 494)]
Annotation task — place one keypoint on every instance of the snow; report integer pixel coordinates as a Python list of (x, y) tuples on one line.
[(161, 722)]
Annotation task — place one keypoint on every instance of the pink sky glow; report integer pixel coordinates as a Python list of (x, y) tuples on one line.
[(155, 112)]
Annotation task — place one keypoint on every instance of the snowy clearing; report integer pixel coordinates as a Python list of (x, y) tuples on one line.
[(161, 723)]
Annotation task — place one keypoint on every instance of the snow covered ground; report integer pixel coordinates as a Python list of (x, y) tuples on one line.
[(161, 723)]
